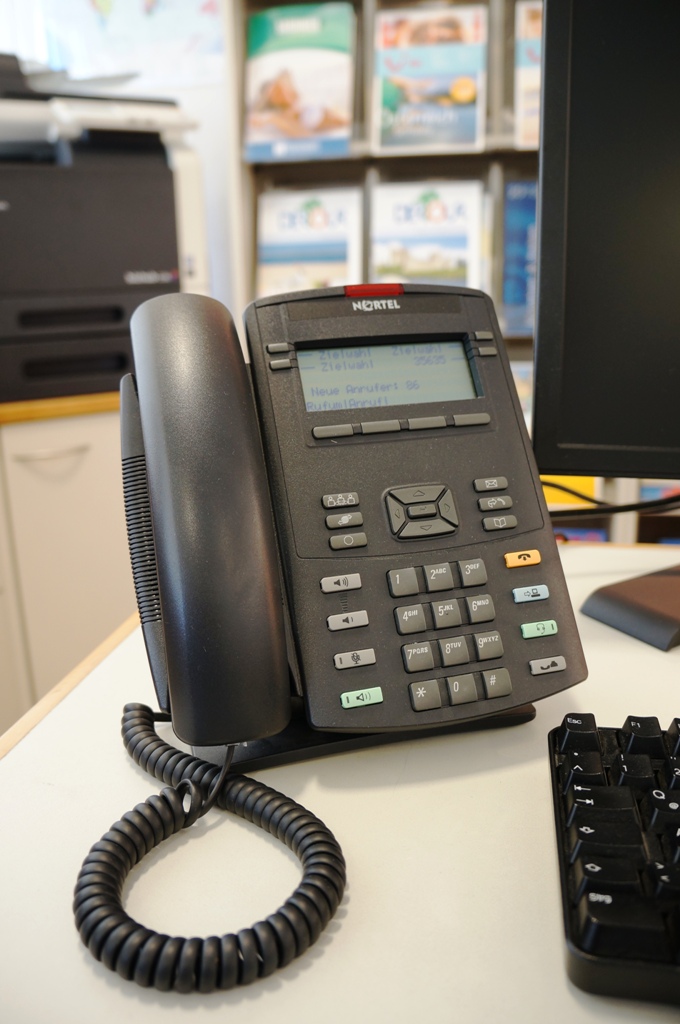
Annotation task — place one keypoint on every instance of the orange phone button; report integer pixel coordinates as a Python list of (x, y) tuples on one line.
[(513, 559)]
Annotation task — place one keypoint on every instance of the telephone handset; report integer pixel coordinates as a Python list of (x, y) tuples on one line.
[(356, 526)]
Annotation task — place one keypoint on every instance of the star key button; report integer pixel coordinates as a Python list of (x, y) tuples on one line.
[(425, 695)]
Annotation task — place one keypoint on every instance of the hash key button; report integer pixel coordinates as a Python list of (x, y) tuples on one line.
[(497, 683)]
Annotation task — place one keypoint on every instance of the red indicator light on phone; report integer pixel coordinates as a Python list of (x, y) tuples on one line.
[(372, 291)]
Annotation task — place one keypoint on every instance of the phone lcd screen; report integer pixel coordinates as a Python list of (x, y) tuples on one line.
[(397, 373)]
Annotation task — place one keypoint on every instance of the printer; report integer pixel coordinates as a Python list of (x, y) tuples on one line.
[(101, 208)]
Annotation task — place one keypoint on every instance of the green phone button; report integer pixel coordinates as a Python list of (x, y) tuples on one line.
[(532, 629), (360, 698)]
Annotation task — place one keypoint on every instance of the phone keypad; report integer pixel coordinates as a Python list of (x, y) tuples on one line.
[(449, 651)]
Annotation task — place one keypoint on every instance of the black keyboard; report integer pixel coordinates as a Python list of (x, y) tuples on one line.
[(617, 810)]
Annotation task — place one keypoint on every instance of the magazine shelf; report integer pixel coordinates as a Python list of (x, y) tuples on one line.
[(371, 114)]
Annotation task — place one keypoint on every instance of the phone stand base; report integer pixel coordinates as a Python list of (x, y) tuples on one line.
[(299, 742)]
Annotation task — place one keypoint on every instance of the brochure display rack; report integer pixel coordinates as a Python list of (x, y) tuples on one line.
[(393, 142)]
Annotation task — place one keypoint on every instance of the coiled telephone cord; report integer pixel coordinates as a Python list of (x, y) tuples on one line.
[(187, 965)]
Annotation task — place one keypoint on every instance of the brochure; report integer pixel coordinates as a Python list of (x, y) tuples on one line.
[(528, 36), (519, 258), (428, 233), (308, 239), (299, 82), (429, 86)]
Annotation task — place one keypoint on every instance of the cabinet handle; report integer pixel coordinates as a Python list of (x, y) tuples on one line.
[(49, 454)]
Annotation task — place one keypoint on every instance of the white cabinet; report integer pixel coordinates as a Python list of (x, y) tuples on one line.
[(65, 530), (16, 694)]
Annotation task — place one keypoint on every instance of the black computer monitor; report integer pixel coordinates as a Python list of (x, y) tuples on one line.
[(607, 371)]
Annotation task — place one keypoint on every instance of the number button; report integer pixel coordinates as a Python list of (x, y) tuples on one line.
[(402, 582), (462, 689), (472, 573), (410, 618), (446, 614), (454, 650), (480, 608), (488, 645), (438, 577), (417, 657)]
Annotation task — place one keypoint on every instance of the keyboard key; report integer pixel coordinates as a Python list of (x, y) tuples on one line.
[(633, 770), (622, 925), (673, 737), (642, 736), (662, 811), (605, 874), (579, 732), (590, 838), (665, 881), (670, 773), (582, 768), (603, 800)]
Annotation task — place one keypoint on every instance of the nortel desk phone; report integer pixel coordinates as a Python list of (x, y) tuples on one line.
[(357, 530)]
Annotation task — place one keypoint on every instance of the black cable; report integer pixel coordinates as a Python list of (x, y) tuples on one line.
[(602, 509), (187, 965), (572, 490)]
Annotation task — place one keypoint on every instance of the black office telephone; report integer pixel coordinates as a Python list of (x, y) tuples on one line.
[(364, 532), (347, 545)]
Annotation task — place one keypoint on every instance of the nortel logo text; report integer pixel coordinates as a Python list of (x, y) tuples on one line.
[(371, 305)]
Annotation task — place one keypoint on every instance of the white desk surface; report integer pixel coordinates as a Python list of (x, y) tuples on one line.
[(452, 910)]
